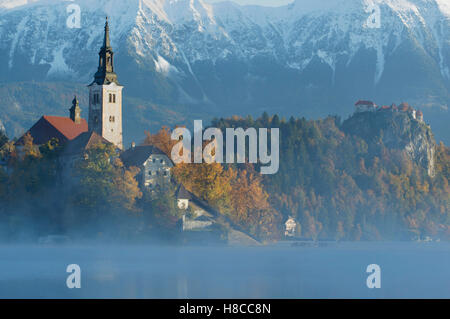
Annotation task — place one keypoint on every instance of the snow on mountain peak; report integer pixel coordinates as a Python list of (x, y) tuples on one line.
[(10, 4), (444, 5), (186, 31)]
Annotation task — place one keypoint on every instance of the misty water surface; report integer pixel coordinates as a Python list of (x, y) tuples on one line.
[(409, 270)]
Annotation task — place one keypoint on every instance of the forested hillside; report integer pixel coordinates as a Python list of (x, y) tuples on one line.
[(338, 181), (342, 185)]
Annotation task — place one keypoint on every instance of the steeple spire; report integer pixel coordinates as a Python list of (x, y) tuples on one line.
[(105, 73), (75, 111), (106, 41)]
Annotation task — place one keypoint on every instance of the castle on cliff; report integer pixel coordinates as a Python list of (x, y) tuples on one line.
[(369, 106)]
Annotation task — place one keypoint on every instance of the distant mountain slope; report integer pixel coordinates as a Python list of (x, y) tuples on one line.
[(309, 58)]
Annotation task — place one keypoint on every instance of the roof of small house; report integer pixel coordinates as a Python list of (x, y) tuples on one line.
[(216, 214), (182, 193), (84, 142), (62, 128), (136, 156), (363, 102), (203, 218)]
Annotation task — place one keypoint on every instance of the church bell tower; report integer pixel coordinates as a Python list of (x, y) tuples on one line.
[(105, 97)]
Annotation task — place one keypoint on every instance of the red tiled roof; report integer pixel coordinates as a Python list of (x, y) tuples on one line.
[(66, 126), (362, 102), (62, 128)]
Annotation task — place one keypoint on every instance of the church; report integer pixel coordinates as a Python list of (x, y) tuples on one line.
[(105, 110), (104, 126)]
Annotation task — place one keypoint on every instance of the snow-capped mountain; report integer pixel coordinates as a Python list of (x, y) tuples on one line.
[(308, 57)]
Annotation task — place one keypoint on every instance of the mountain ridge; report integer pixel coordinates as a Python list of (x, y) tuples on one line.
[(305, 57)]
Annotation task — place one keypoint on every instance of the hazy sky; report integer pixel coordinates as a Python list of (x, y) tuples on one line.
[(260, 2)]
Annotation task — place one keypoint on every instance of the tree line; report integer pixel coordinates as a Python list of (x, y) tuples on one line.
[(336, 185)]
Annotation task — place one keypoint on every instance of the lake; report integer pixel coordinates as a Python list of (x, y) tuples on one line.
[(408, 270)]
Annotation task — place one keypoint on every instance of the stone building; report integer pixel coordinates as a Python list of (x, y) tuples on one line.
[(105, 108), (154, 165)]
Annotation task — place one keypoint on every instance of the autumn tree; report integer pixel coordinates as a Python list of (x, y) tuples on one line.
[(159, 207), (162, 140), (105, 186), (210, 182)]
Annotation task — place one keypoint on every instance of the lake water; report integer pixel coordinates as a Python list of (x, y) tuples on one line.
[(408, 270)]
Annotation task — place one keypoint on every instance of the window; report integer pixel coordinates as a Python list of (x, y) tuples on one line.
[(112, 119), (112, 98), (96, 98), (166, 173), (161, 161)]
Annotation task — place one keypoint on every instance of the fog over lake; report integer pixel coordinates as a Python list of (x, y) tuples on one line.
[(408, 270)]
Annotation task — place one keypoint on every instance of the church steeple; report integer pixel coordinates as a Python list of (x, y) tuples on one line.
[(105, 96), (75, 111), (105, 73)]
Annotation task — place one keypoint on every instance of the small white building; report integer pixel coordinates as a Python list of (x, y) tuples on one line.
[(291, 227)]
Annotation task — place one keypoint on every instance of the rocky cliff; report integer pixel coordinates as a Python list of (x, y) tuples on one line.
[(396, 130)]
